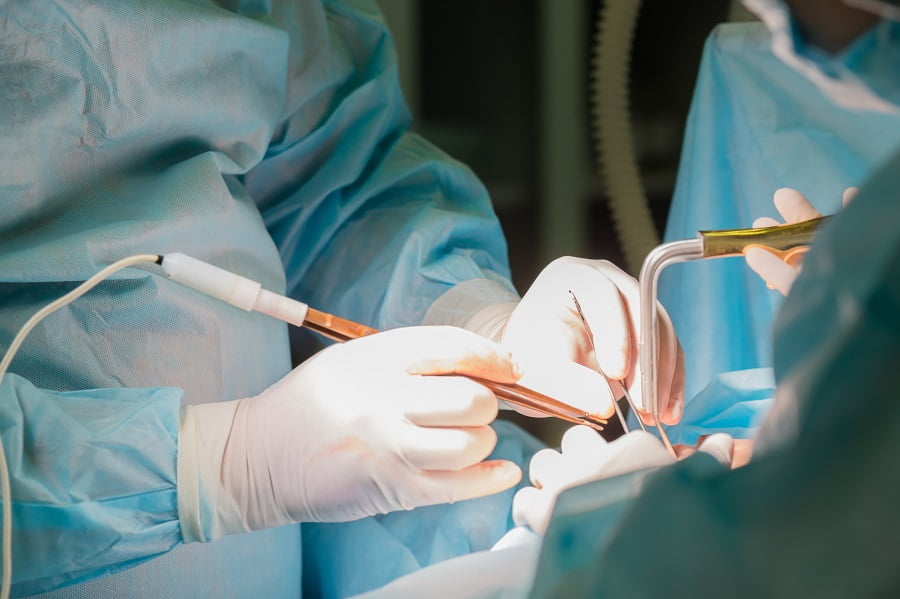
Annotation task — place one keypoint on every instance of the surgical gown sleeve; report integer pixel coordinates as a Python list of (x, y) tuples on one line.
[(755, 126), (92, 470), (372, 222), (815, 515)]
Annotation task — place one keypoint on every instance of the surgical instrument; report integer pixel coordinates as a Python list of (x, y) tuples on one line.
[(249, 295), (785, 241), (612, 382)]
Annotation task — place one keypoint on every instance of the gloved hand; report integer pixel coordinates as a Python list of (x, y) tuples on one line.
[(586, 457), (793, 208), (354, 431), (741, 450), (545, 322)]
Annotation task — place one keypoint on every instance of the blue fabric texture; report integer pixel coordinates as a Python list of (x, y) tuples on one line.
[(267, 138), (52, 436), (733, 402), (756, 125)]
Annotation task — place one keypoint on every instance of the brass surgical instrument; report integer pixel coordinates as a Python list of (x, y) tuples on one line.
[(249, 295), (786, 241)]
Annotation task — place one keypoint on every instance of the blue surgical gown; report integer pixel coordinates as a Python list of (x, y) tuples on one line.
[(755, 125), (268, 138)]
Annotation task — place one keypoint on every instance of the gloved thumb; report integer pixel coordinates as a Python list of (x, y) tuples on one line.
[(720, 446)]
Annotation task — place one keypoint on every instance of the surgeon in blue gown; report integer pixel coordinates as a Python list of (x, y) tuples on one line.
[(159, 443), (754, 127)]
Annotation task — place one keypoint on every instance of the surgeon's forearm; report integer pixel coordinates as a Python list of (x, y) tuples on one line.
[(372, 221), (92, 475)]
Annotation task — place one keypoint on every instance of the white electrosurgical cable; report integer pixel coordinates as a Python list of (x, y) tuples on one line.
[(4, 365)]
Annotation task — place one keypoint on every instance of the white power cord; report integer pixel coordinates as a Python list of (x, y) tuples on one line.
[(4, 365)]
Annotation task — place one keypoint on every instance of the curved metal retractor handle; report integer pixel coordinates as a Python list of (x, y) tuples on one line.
[(659, 257), (784, 240)]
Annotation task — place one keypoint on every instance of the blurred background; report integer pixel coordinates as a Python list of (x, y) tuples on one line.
[(505, 87)]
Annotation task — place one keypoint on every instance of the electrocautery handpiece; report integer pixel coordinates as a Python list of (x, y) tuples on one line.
[(249, 295)]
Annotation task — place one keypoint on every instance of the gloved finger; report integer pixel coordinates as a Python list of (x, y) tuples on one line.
[(485, 478), (720, 446), (617, 387), (666, 359), (451, 350), (532, 507), (583, 458), (581, 441), (775, 272), (568, 382), (634, 451), (793, 206), (606, 312), (675, 408), (449, 401), (522, 505), (546, 320), (545, 468), (795, 261), (683, 451), (669, 369), (742, 452), (446, 448), (849, 194), (765, 221)]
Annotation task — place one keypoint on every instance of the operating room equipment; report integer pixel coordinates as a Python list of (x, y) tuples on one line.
[(783, 240), (625, 393), (614, 143), (249, 295)]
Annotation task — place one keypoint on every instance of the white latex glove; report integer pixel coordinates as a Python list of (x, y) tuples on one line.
[(546, 323), (586, 457), (793, 208), (354, 431)]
